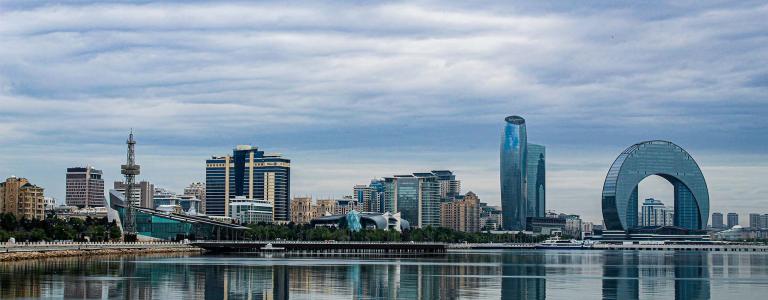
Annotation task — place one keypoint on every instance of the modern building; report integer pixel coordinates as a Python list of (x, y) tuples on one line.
[(50, 204), (356, 221), (85, 187), (490, 217), (655, 213), (461, 215), (345, 205), (250, 211), (156, 224), (197, 189), (251, 173), (536, 180), (416, 197), (302, 210), (717, 220), (450, 188), (22, 199), (667, 160), (370, 197), (523, 176), (733, 219), (764, 221), (754, 220), (573, 225), (545, 225), (143, 193)]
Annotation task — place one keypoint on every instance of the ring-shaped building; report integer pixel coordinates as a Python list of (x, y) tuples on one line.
[(667, 160)]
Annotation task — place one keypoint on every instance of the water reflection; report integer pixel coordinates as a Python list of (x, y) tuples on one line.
[(488, 275)]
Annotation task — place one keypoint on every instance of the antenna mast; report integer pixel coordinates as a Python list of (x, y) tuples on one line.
[(130, 170)]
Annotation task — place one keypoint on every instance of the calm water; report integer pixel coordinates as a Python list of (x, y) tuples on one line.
[(533, 274)]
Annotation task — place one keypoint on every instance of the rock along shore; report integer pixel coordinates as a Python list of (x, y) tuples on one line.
[(15, 256)]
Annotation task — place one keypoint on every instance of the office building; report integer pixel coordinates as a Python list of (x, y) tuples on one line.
[(717, 220), (450, 188), (197, 189), (733, 219), (490, 217), (250, 173), (754, 220), (249, 211), (416, 197), (461, 215), (536, 180), (22, 199), (370, 197), (668, 161), (143, 193), (523, 176), (654, 213), (764, 221), (302, 210), (85, 187)]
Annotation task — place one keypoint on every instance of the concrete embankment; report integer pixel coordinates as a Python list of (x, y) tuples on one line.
[(38, 251)]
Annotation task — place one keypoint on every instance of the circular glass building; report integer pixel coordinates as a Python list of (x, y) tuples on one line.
[(514, 152), (666, 160)]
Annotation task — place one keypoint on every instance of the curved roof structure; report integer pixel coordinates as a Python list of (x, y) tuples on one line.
[(666, 160)]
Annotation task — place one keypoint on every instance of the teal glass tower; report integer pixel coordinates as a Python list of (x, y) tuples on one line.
[(513, 171), (536, 178), (666, 160)]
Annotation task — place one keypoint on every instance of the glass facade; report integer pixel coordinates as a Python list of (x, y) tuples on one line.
[(536, 178), (667, 160), (251, 173), (513, 169), (408, 198)]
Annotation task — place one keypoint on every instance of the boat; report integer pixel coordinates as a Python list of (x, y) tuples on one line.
[(270, 248), (558, 243)]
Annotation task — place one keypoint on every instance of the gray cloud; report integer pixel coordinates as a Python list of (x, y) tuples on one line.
[(390, 80)]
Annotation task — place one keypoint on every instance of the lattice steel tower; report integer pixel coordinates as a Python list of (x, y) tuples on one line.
[(130, 170)]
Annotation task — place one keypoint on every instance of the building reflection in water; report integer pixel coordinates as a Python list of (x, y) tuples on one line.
[(622, 274), (523, 275)]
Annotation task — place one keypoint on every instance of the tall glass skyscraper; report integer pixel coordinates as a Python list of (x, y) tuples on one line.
[(514, 183), (536, 180)]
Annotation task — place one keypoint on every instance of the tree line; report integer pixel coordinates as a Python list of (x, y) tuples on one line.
[(57, 229), (296, 232)]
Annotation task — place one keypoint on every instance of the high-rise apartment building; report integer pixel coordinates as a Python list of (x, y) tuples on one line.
[(754, 220), (733, 219), (143, 193), (654, 213), (717, 220), (251, 173), (450, 188), (461, 215), (197, 189), (764, 221), (85, 187), (22, 199), (301, 210), (523, 176), (416, 197)]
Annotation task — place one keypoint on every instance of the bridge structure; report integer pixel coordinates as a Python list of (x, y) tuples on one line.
[(321, 246)]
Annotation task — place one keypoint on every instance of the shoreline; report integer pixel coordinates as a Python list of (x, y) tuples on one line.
[(19, 256)]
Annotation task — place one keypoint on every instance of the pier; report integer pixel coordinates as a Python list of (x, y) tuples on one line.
[(322, 246)]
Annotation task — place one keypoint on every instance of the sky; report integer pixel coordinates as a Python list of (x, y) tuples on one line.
[(355, 90)]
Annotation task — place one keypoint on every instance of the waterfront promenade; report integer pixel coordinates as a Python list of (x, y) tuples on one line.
[(23, 250)]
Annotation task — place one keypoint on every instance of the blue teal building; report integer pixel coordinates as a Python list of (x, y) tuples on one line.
[(250, 173), (523, 176), (667, 160), (416, 197), (536, 180)]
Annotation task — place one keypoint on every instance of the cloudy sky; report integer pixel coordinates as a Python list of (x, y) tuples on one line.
[(353, 91)]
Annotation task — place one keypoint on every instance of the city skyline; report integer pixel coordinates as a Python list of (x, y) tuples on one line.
[(351, 100)]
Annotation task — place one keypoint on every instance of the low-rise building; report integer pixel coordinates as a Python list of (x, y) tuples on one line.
[(302, 210), (250, 211), (490, 217), (22, 199)]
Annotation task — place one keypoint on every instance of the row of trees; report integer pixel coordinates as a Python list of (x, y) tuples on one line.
[(428, 234), (53, 228)]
